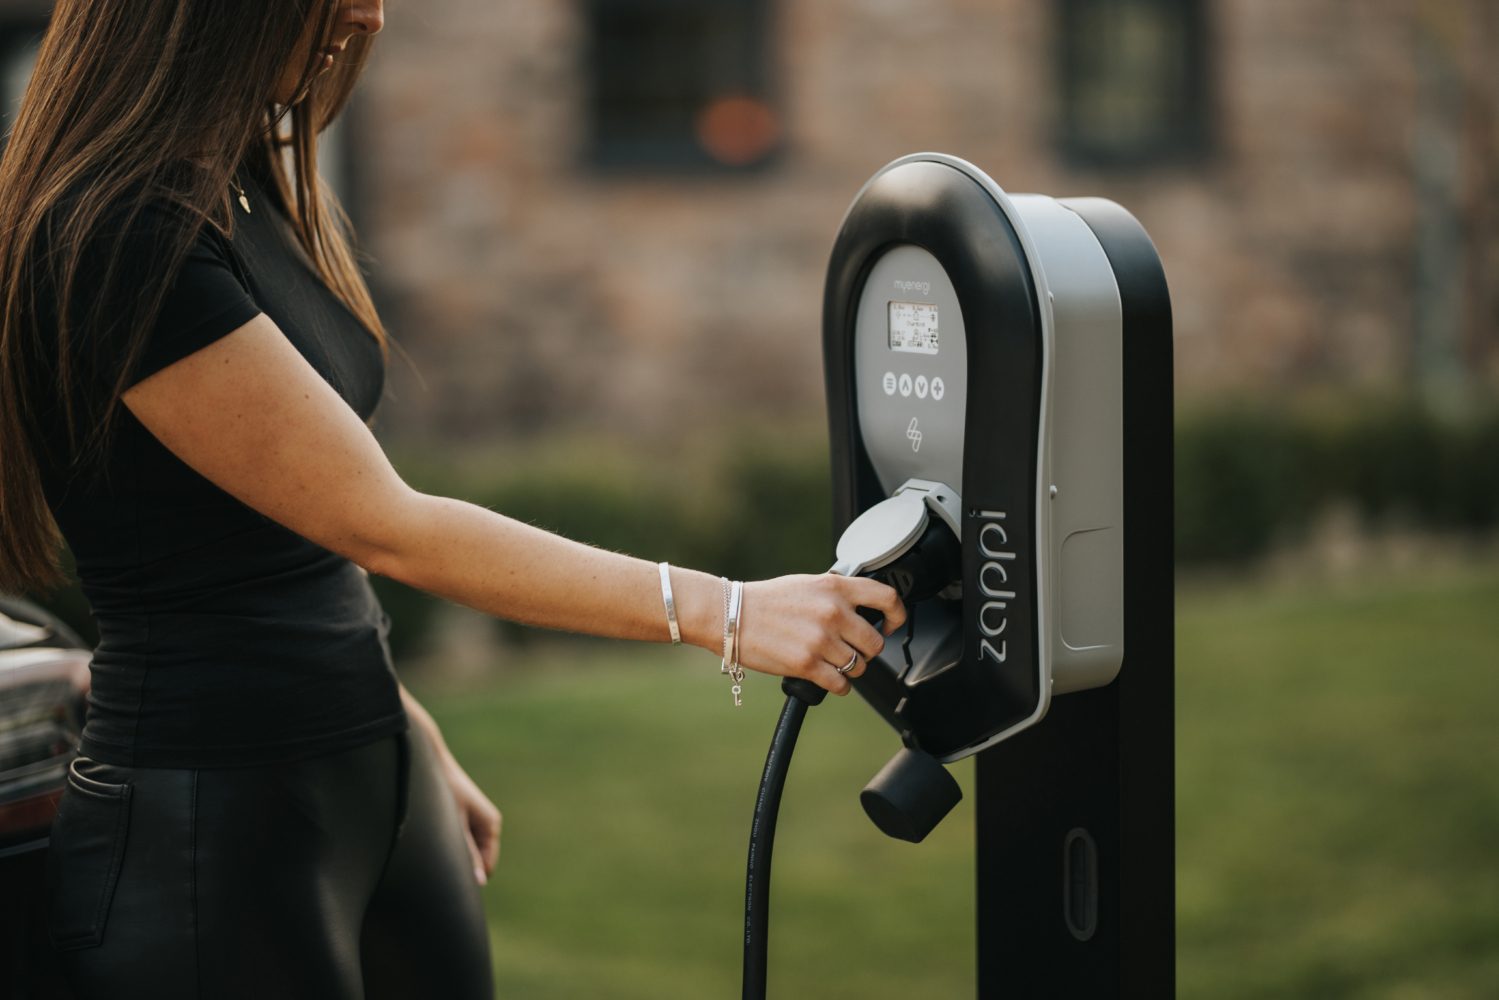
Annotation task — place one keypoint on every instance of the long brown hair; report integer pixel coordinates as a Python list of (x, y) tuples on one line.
[(135, 103)]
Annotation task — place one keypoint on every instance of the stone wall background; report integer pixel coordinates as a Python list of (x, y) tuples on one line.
[(1340, 229), (532, 292)]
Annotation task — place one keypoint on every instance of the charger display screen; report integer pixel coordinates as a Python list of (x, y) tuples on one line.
[(913, 327)]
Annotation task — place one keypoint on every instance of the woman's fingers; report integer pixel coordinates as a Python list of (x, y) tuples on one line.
[(839, 654), (829, 679), (476, 856), (861, 637), (857, 639), (488, 837), (481, 820), (866, 593), (821, 666)]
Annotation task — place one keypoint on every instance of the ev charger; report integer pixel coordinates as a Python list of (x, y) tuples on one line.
[(983, 334), (998, 373)]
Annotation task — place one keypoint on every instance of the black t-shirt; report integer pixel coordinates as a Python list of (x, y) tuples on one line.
[(225, 639)]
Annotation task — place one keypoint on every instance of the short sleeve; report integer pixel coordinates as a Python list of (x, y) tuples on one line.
[(206, 301)]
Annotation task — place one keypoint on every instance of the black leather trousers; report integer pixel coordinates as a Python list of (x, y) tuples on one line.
[(339, 877)]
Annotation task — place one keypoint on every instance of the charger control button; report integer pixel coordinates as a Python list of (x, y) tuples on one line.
[(889, 383), (905, 385)]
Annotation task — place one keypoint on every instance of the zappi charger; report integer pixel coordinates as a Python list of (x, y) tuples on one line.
[(998, 372)]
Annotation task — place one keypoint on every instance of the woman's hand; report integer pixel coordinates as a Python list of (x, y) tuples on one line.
[(807, 626), (481, 820)]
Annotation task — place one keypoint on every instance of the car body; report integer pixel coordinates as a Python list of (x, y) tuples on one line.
[(44, 677)]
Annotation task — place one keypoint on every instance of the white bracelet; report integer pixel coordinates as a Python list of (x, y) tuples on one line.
[(671, 604)]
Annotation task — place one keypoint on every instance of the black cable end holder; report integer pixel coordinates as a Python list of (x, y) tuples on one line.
[(910, 796), (806, 691)]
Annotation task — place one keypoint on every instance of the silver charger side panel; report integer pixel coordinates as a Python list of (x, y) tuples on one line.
[(1082, 457)]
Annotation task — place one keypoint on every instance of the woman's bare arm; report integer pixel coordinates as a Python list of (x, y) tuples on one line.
[(249, 414)]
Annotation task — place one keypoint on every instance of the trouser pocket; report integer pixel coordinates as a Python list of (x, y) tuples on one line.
[(87, 847)]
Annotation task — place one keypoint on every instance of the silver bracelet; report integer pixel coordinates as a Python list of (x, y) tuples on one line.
[(728, 589), (736, 608), (671, 604)]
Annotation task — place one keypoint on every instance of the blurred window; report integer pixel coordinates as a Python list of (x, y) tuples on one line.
[(677, 84), (1133, 80)]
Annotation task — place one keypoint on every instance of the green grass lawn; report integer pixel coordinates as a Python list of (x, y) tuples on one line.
[(1337, 788)]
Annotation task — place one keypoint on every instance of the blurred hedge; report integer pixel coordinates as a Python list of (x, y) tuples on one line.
[(1250, 476)]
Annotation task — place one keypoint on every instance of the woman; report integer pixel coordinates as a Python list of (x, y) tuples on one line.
[(188, 361)]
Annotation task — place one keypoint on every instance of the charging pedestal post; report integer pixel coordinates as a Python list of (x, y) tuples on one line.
[(999, 368), (1075, 831)]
